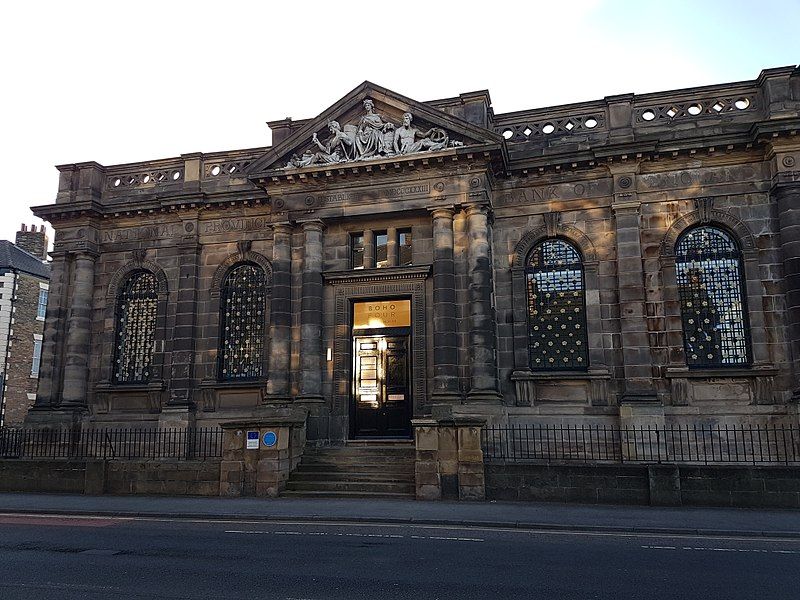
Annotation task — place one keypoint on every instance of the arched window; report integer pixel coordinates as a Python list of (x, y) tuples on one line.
[(556, 307), (137, 307), (242, 323), (710, 276)]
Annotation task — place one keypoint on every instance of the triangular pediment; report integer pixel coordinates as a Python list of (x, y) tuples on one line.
[(352, 132)]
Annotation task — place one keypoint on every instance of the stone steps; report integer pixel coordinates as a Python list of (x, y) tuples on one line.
[(399, 477), (339, 494), (378, 469)]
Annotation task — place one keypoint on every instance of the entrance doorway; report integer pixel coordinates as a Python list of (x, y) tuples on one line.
[(381, 401)]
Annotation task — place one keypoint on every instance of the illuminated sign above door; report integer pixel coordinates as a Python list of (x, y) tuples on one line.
[(379, 314)]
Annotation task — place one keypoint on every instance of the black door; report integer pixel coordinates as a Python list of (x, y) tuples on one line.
[(381, 386)]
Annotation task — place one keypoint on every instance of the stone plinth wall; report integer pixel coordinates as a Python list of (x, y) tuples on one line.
[(53, 476), (449, 459), (174, 478), (264, 470), (657, 485)]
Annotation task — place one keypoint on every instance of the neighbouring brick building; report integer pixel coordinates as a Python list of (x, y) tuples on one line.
[(24, 277), (629, 260)]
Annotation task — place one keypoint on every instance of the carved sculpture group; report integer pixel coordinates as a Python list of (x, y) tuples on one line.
[(372, 138)]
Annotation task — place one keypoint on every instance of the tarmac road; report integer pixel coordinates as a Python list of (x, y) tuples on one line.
[(45, 557)]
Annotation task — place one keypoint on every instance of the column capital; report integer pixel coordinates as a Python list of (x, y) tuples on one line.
[(625, 203), (312, 225), (475, 208), (786, 181), (442, 212), (87, 254), (282, 227)]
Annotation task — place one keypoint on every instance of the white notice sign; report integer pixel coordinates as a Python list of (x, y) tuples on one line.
[(252, 440)]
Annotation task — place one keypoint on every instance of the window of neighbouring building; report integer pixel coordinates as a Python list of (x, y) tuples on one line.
[(37, 356), (41, 308)]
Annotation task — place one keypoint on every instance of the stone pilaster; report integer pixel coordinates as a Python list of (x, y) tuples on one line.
[(483, 364), (182, 377), (787, 198), (281, 314), (637, 359), (311, 312), (445, 337), (78, 342)]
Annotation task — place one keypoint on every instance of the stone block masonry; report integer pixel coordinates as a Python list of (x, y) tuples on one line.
[(656, 485)]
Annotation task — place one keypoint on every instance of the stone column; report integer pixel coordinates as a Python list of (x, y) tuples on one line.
[(391, 246), (79, 333), (638, 363), (445, 338), (369, 249), (787, 197), (54, 333), (311, 312), (281, 313), (483, 383)]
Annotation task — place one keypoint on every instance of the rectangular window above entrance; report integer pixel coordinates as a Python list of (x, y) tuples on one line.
[(381, 249), (357, 250), (404, 247)]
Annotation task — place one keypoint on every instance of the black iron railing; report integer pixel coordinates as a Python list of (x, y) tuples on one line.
[(679, 444), (198, 443)]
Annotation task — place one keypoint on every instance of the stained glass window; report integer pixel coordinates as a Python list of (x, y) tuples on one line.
[(137, 306), (557, 338), (242, 323), (710, 277)]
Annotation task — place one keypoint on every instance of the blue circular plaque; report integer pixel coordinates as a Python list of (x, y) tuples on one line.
[(270, 439)]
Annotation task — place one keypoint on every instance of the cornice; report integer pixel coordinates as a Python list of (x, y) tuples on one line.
[(377, 275)]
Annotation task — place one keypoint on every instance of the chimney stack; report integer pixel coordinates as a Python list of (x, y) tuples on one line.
[(33, 241)]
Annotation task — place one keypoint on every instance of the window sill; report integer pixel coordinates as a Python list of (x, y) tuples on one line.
[(213, 384), (152, 386), (741, 372), (529, 375)]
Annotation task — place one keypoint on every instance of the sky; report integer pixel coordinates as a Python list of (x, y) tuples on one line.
[(118, 82)]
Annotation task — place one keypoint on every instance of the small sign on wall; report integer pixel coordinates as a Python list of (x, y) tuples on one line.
[(252, 440), (270, 439)]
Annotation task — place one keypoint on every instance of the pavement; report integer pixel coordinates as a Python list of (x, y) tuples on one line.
[(517, 515)]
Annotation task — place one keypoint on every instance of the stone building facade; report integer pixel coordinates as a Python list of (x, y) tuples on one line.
[(24, 276), (634, 259)]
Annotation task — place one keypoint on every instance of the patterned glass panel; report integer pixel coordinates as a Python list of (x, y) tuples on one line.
[(556, 308), (137, 306), (710, 286), (243, 323)]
